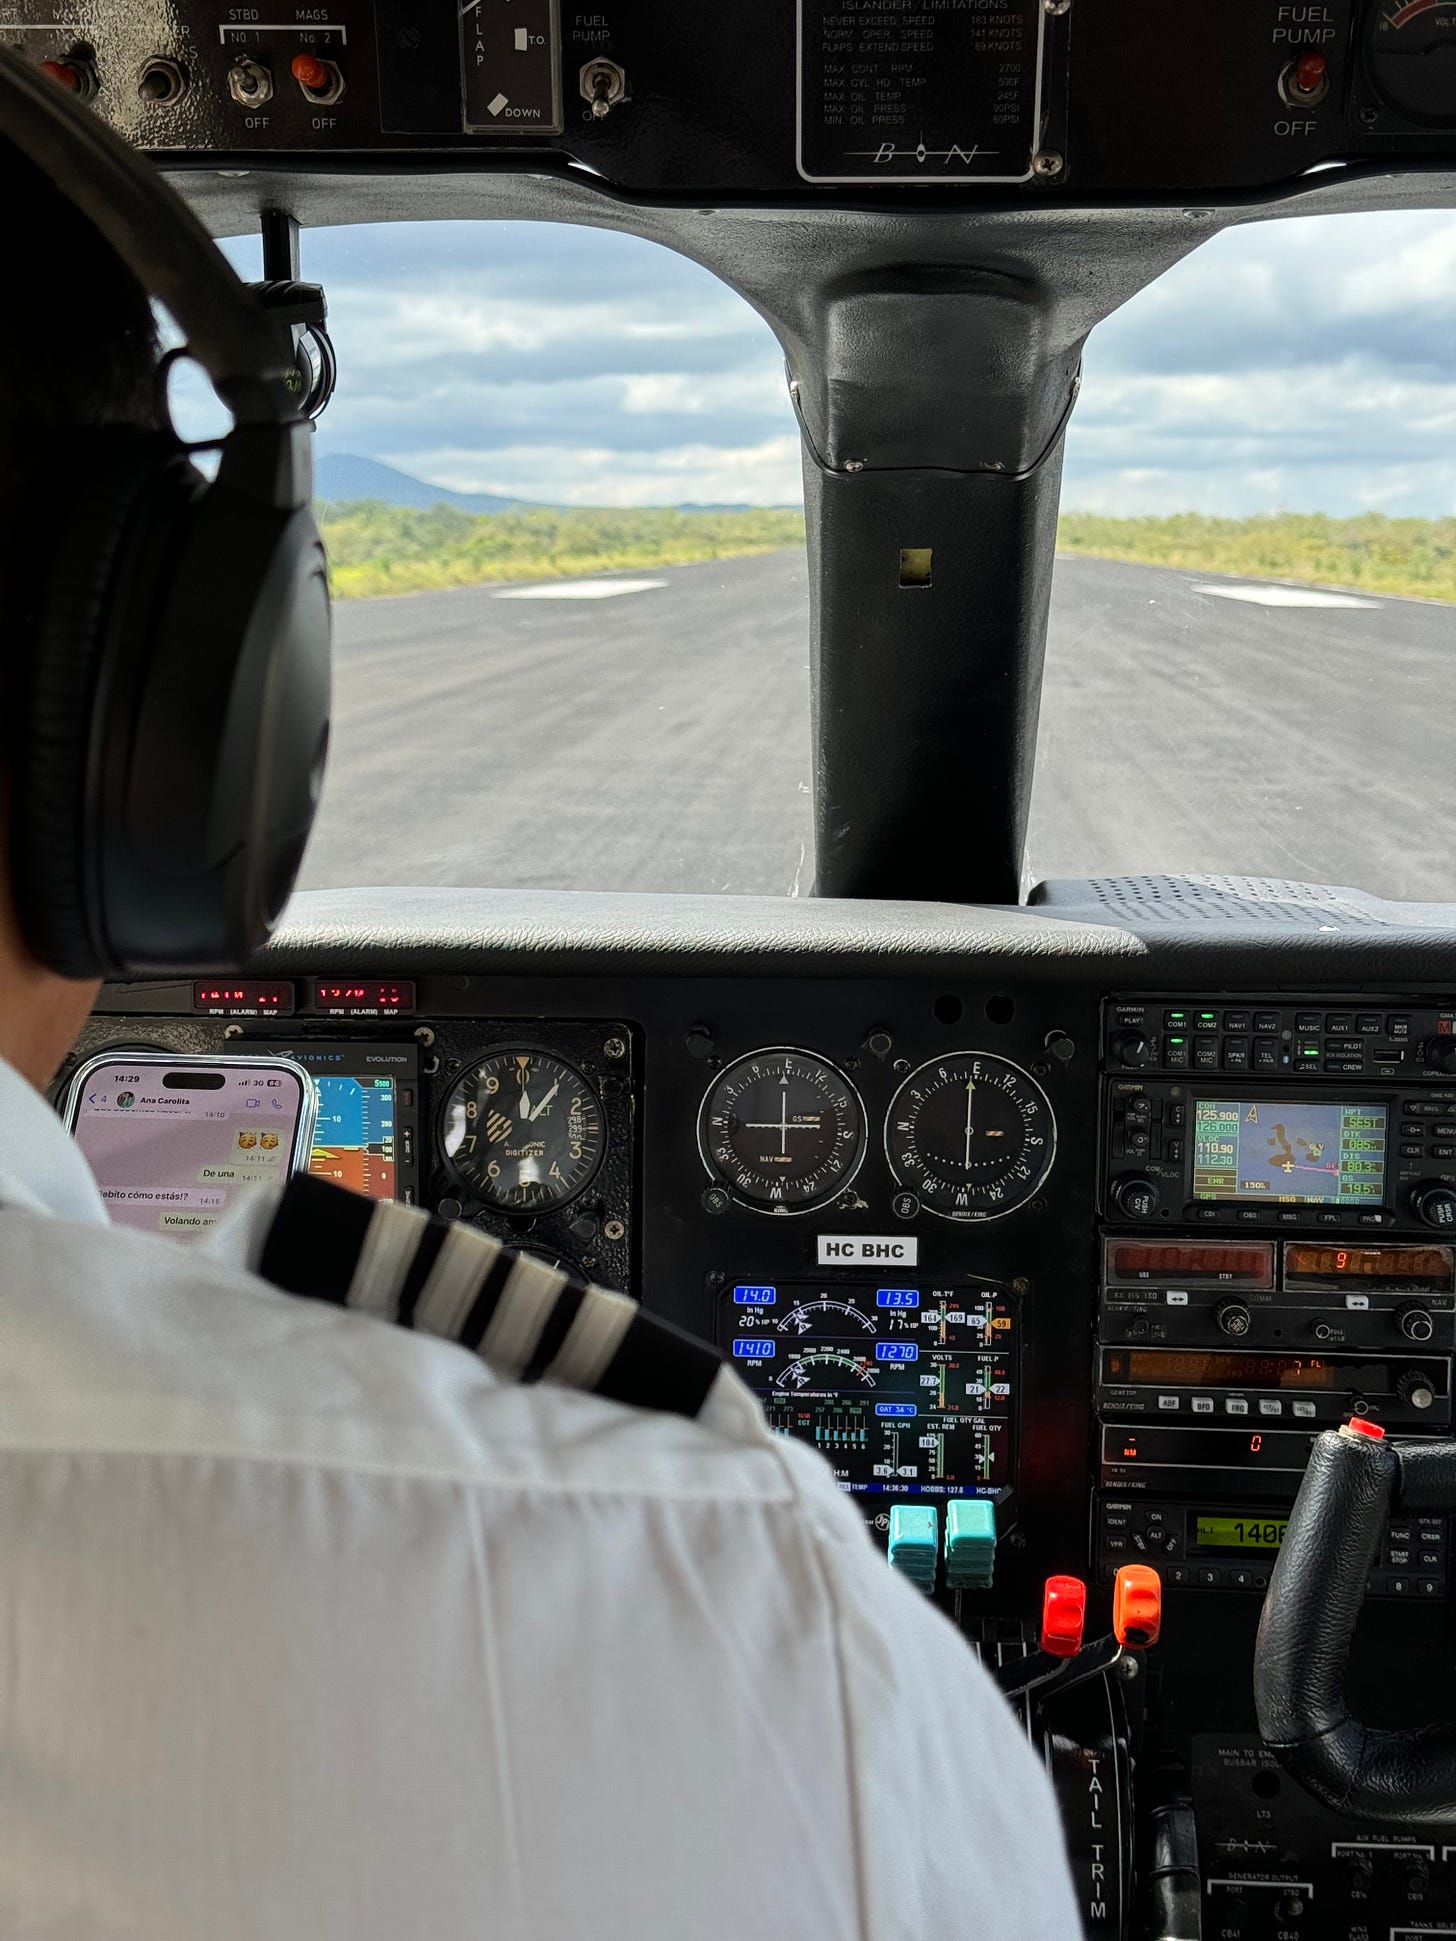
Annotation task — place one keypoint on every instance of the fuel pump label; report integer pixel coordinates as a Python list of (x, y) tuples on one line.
[(510, 54), (930, 92)]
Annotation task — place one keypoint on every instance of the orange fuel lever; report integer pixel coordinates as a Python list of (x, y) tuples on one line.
[(1063, 1616), (1137, 1607)]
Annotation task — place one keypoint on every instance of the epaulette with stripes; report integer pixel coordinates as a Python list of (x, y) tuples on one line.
[(529, 1321)]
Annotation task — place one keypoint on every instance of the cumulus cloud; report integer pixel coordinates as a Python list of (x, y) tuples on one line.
[(1294, 363)]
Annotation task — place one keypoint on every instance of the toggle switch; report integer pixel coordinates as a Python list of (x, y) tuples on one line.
[(915, 1543), (1137, 1607), (970, 1543), (1063, 1616)]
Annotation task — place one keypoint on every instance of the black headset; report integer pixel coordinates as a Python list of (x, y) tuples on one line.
[(171, 721)]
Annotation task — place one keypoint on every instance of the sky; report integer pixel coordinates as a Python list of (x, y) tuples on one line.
[(1302, 365)]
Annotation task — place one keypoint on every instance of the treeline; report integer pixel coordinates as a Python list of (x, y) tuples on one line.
[(1371, 553), (376, 548)]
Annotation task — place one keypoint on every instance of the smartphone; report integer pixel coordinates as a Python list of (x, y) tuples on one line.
[(176, 1143)]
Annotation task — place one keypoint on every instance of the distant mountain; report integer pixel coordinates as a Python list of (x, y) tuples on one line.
[(341, 476)]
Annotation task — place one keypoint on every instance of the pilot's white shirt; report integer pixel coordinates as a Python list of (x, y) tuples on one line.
[(313, 1629)]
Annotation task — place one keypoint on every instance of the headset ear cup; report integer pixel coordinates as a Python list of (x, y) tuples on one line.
[(83, 603)]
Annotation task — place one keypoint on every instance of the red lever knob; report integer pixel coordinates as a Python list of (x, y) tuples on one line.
[(1063, 1616), (1137, 1607), (310, 72), (1361, 1425), (65, 72)]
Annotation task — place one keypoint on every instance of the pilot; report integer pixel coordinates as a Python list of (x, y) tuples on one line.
[(316, 1627)]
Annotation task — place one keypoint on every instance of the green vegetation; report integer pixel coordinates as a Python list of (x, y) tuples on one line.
[(1371, 553), (376, 548)]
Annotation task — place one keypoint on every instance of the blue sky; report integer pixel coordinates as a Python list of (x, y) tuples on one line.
[(1301, 364)]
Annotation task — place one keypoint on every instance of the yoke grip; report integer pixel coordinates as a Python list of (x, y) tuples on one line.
[(1397, 1778)]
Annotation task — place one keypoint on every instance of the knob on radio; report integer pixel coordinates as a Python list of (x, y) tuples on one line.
[(1435, 1202), (1131, 1047), (1233, 1317), (1136, 1197), (1440, 1054), (1414, 1322), (1415, 1389)]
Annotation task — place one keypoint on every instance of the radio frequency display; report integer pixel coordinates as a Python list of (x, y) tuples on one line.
[(1303, 1151)]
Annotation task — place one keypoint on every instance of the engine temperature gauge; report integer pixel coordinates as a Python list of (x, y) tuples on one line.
[(971, 1135)]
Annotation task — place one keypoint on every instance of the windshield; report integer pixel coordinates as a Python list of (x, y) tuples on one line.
[(562, 496)]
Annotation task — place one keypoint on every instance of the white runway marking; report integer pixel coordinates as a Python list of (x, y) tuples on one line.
[(581, 590), (1284, 596)]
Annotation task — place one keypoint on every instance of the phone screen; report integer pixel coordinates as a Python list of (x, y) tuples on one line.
[(174, 1143)]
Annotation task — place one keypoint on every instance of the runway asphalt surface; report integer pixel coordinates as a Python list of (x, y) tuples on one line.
[(658, 739)]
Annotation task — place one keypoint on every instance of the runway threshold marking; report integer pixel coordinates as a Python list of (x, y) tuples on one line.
[(1284, 596), (580, 590)]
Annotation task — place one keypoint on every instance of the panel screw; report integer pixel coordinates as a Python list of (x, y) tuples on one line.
[(615, 1048), (232, 1031), (424, 1035), (409, 38), (854, 465), (1369, 117), (901, 1065), (1128, 1668), (613, 1230), (1046, 163), (1056, 8), (1021, 1285)]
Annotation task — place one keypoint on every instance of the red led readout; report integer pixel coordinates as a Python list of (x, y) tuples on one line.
[(370, 997), (242, 998)]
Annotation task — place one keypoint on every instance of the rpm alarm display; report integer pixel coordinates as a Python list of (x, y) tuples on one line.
[(523, 1131), (783, 1130), (972, 1136)]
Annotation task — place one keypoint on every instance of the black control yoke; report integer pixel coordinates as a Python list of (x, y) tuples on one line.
[(1354, 1480)]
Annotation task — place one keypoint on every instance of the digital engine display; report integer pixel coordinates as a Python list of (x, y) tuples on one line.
[(906, 1391), (364, 997), (1239, 1532), (245, 997), (1299, 1151)]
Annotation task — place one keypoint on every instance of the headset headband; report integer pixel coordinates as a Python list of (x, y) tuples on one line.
[(156, 235)]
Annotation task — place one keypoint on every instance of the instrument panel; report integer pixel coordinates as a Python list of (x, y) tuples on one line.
[(802, 99), (898, 1205)]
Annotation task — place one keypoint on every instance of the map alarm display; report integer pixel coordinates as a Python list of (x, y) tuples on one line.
[(1301, 1151)]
